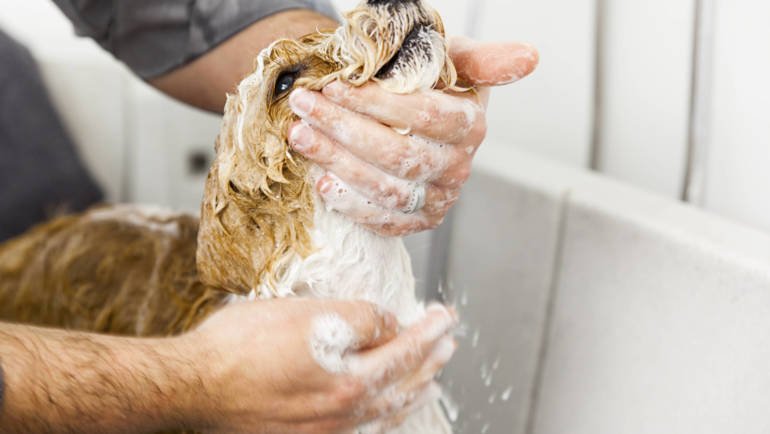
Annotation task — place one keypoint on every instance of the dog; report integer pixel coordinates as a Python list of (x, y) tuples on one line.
[(263, 231)]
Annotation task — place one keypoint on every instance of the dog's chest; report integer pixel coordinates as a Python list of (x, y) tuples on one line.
[(351, 263)]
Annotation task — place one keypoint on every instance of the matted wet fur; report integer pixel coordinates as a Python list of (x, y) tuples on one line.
[(132, 270), (114, 270)]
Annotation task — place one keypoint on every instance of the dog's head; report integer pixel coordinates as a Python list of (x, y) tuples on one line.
[(259, 202)]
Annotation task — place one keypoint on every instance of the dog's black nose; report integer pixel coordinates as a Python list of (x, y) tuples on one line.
[(389, 2)]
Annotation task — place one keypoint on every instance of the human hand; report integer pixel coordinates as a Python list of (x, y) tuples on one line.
[(373, 172), (263, 370)]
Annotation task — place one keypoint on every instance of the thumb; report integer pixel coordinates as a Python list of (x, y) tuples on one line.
[(492, 63)]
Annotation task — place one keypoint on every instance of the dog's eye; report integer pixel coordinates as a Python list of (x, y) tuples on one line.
[(285, 82)]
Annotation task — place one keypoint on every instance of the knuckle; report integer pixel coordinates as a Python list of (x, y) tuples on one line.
[(428, 116), (463, 173), (458, 174), (480, 128), (349, 391), (373, 314)]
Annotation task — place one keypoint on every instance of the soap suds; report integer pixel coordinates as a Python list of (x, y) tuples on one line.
[(330, 338), (506, 395)]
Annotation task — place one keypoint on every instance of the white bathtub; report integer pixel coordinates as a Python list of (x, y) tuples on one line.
[(598, 308)]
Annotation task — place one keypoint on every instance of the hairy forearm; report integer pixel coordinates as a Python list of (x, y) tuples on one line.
[(58, 381), (206, 81)]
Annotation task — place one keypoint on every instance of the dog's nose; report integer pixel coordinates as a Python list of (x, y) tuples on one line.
[(389, 2)]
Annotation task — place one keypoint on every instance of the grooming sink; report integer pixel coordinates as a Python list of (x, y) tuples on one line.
[(590, 307)]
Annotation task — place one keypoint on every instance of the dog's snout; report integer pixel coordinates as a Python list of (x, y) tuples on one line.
[(389, 2)]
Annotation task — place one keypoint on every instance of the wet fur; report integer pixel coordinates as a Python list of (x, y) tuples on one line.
[(132, 270)]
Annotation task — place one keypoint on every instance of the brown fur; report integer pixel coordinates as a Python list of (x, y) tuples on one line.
[(258, 206), (109, 275), (124, 271), (105, 276)]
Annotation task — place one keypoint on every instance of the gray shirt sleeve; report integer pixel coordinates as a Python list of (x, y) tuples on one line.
[(153, 37)]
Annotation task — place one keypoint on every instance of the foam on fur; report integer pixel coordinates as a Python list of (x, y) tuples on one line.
[(263, 230)]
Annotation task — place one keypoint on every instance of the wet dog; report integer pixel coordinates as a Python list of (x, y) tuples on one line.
[(263, 232)]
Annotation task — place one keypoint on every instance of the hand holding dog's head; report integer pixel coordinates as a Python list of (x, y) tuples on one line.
[(259, 203)]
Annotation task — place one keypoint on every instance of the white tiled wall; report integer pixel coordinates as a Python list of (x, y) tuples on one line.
[(658, 326), (737, 145), (655, 318), (165, 137), (551, 112), (500, 284), (646, 78)]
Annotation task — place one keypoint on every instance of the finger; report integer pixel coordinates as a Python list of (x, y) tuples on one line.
[(442, 117), (399, 155), (373, 326), (406, 353), (340, 197), (437, 360), (492, 63), (385, 190)]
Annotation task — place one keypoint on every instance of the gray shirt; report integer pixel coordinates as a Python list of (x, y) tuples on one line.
[(153, 37)]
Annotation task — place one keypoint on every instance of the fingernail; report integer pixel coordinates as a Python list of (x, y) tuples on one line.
[(335, 90), (444, 350), (301, 102), (441, 324), (438, 307), (325, 185), (301, 136)]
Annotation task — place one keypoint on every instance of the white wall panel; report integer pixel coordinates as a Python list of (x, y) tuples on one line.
[(737, 175), (162, 138), (644, 105), (550, 112)]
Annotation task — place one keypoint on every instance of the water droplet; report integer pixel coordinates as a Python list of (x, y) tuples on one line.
[(506, 395)]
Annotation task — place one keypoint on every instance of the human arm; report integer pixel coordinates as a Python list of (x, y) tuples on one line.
[(206, 81), (195, 51), (353, 138), (247, 368)]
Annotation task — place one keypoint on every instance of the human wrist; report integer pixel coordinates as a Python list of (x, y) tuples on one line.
[(196, 381)]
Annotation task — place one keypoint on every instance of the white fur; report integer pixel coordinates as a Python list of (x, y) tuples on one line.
[(354, 263), (145, 216)]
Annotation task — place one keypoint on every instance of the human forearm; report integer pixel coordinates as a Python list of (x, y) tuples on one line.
[(58, 381), (206, 81)]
